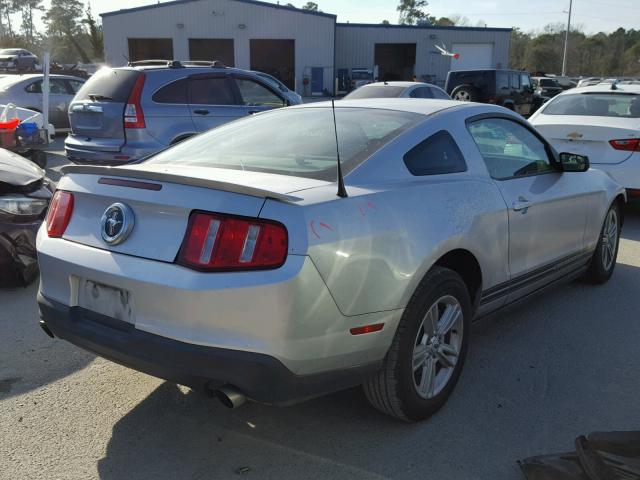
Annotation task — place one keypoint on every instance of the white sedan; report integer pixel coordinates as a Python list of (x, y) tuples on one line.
[(601, 122)]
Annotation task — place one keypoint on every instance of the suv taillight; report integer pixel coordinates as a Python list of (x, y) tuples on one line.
[(628, 145), (59, 213), (216, 242), (133, 115)]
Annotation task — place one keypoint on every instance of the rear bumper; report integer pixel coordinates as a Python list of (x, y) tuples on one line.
[(260, 377), (83, 152)]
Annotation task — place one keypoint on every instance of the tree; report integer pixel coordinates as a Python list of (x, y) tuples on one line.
[(27, 9), (63, 20), (385, 22), (411, 11), (95, 34), (311, 6), (291, 5)]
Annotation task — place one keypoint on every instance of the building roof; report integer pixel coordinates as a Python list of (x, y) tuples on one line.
[(423, 27), (251, 2)]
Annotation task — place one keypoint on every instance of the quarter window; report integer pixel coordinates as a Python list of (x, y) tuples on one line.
[(509, 149), (211, 91), (175, 92), (256, 95), (437, 155)]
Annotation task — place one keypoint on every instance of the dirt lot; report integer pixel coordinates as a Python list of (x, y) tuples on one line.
[(536, 378)]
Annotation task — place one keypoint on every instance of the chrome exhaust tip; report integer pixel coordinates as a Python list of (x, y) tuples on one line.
[(230, 397), (46, 329)]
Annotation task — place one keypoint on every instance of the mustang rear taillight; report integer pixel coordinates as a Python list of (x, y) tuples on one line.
[(59, 213), (215, 242), (628, 145)]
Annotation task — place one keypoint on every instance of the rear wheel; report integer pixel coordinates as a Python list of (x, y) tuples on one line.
[(604, 258), (428, 351), (465, 94)]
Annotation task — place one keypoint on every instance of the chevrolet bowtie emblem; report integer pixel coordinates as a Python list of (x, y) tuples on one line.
[(574, 136)]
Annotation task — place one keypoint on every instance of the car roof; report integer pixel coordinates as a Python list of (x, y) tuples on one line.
[(420, 106), (604, 88)]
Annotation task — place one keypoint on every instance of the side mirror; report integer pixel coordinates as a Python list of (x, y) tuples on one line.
[(572, 162)]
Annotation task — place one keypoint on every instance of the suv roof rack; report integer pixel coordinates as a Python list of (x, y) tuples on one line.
[(178, 63)]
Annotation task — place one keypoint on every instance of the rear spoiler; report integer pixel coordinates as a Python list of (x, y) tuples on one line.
[(179, 179)]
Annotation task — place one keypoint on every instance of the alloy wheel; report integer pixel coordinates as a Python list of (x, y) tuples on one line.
[(610, 239), (437, 346)]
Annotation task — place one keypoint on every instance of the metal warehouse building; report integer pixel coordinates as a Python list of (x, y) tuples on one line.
[(308, 51)]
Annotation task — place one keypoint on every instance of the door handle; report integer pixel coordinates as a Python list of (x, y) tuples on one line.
[(201, 112), (522, 205), (251, 112)]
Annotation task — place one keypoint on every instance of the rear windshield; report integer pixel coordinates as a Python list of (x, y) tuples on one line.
[(297, 142), (110, 84), (375, 92), (596, 105)]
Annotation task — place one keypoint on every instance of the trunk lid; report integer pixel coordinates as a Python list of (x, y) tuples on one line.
[(162, 201), (97, 110), (568, 133)]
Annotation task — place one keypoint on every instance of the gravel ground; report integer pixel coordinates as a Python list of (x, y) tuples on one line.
[(535, 379)]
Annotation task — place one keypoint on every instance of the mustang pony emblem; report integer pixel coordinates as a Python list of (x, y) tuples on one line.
[(116, 223)]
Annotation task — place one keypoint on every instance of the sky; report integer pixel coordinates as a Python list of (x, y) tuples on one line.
[(591, 15)]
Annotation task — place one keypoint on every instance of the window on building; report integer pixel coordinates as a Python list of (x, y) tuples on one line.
[(150, 49)]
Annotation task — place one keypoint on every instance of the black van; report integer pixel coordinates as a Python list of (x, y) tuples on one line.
[(509, 88)]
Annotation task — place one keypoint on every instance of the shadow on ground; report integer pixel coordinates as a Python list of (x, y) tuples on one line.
[(536, 378), (30, 359)]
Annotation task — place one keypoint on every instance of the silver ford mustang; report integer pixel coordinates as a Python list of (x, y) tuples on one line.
[(239, 262)]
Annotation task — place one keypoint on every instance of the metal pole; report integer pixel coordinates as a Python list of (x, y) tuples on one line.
[(566, 41), (45, 94)]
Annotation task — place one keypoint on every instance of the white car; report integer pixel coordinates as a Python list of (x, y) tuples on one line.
[(601, 122), (398, 90)]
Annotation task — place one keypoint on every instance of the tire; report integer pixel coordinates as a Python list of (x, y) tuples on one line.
[(398, 389), (465, 94), (603, 262)]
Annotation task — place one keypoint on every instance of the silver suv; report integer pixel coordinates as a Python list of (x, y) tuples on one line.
[(124, 114)]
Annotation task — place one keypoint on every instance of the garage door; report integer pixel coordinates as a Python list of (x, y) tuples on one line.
[(472, 55)]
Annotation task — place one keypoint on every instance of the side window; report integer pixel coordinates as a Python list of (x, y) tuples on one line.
[(74, 86), (514, 81), (509, 149), (525, 80), (256, 95), (502, 81), (57, 87), (35, 87), (436, 155), (211, 91), (421, 92), (175, 92)]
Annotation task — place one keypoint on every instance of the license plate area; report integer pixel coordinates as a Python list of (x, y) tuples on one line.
[(111, 302)]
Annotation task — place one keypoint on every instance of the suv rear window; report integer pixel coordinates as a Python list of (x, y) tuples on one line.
[(299, 142), (595, 105), (114, 84)]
